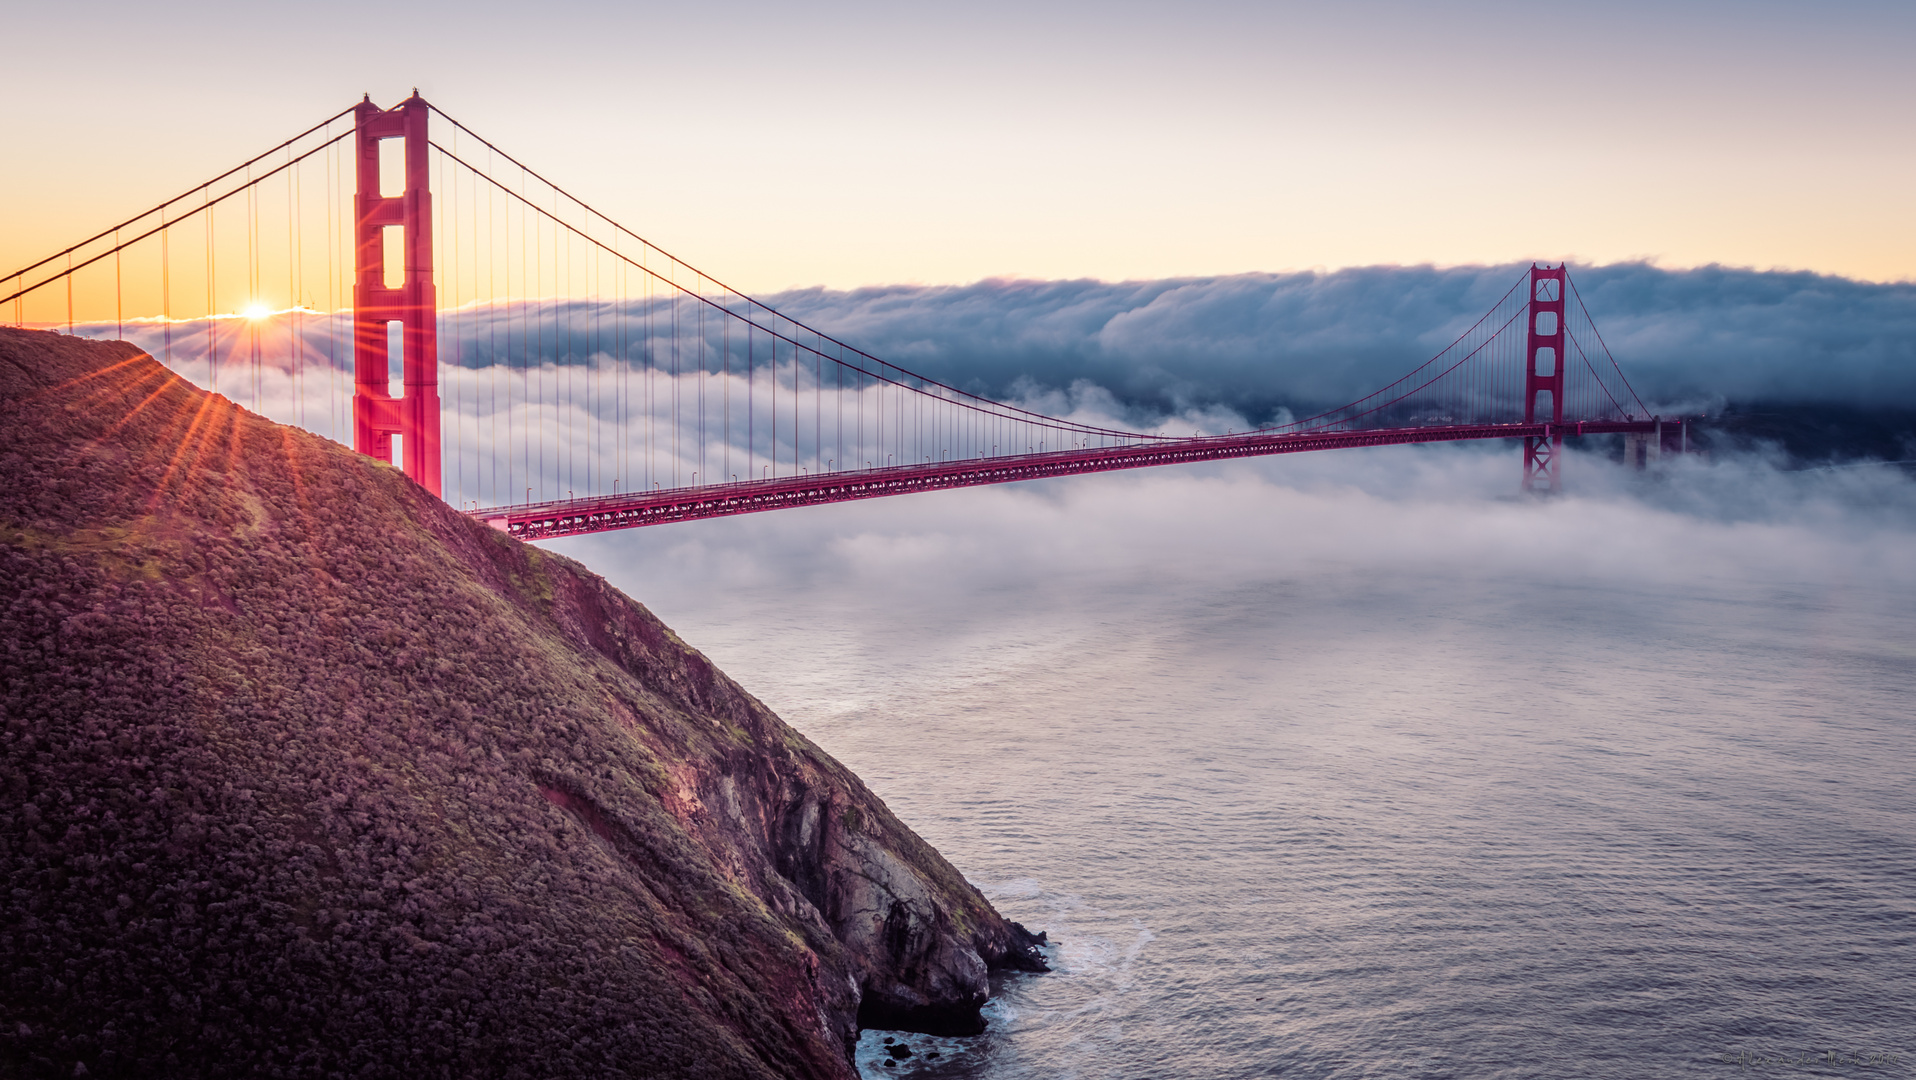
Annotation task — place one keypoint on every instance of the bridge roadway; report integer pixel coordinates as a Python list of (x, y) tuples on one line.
[(568, 517)]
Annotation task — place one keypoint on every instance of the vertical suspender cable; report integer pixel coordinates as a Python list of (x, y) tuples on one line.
[(649, 356), (212, 342), (492, 335), (524, 426), (447, 241), (562, 426), (447, 251), (725, 406), (543, 309), (703, 365), (751, 359), (252, 283), (296, 255), (677, 450), (166, 293), (595, 287)]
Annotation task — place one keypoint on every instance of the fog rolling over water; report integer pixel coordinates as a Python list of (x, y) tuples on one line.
[(1354, 765)]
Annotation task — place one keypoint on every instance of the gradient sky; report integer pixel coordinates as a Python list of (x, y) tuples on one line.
[(859, 144)]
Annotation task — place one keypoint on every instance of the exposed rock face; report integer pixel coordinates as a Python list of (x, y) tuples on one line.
[(304, 774)]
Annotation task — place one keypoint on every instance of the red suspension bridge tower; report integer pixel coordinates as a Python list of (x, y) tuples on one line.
[(379, 302), (1543, 379)]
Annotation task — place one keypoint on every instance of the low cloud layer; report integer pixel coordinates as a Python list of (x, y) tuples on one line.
[(1257, 342), (1249, 344), (1342, 537), (1212, 354)]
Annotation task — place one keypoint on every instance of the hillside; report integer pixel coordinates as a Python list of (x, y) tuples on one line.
[(304, 774)]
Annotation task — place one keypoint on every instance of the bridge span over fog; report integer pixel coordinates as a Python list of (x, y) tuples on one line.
[(558, 374)]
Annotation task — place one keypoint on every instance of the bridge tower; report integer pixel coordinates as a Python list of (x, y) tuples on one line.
[(1543, 381), (404, 218)]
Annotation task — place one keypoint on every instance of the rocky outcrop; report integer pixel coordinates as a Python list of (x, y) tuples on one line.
[(303, 773)]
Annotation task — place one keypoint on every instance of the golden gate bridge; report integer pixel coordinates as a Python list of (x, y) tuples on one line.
[(542, 347)]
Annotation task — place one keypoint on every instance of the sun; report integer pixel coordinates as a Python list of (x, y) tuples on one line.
[(257, 311)]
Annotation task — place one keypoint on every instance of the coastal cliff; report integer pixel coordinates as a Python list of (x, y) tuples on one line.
[(302, 773)]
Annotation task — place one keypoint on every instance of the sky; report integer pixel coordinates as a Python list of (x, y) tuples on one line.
[(847, 145)]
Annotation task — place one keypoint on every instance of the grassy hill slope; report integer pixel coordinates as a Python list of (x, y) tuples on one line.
[(304, 774)]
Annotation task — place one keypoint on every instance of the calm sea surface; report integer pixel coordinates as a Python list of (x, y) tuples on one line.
[(1365, 814)]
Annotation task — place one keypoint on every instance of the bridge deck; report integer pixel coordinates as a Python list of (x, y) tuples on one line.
[(567, 517)]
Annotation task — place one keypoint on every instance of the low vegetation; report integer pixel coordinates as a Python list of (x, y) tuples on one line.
[(302, 774)]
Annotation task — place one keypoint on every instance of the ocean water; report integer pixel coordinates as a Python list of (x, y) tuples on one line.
[(1361, 767)]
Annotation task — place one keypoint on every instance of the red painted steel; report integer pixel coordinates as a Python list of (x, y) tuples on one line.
[(377, 415), (568, 517), (1543, 374)]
